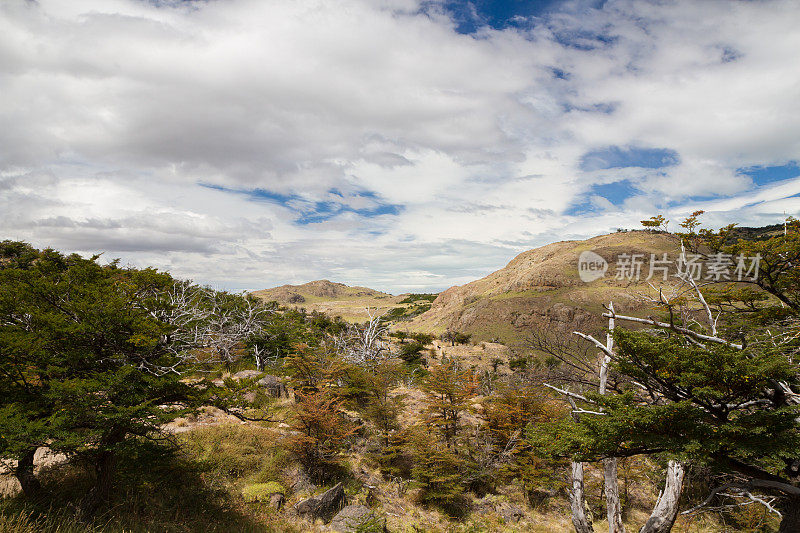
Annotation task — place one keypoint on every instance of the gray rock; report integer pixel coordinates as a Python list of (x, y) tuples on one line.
[(325, 506), (276, 501), (275, 387), (300, 482), (246, 374), (352, 517)]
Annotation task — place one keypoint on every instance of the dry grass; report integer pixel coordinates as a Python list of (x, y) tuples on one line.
[(335, 299), (542, 286)]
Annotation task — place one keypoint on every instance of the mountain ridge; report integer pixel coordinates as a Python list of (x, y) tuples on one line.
[(542, 286)]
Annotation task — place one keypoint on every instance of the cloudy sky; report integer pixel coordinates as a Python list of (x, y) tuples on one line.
[(398, 144)]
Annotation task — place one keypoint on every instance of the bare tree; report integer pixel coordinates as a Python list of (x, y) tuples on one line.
[(578, 359), (206, 326), (365, 344)]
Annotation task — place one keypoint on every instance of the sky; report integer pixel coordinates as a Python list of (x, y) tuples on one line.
[(403, 145)]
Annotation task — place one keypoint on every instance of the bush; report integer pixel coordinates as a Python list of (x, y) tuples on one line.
[(422, 338), (414, 297), (411, 352), (438, 471), (322, 434), (455, 337)]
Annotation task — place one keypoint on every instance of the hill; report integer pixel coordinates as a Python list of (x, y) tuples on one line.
[(542, 286), (338, 299), (317, 291)]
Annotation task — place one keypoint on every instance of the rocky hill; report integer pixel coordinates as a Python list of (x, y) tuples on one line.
[(315, 291), (336, 299), (543, 286)]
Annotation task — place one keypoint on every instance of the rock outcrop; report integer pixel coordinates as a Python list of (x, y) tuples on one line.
[(323, 507), (354, 518), (274, 386)]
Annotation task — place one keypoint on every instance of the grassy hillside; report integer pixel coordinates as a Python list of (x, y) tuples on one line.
[(543, 286), (350, 303)]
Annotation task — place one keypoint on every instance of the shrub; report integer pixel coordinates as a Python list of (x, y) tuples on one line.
[(411, 352), (422, 338), (322, 435)]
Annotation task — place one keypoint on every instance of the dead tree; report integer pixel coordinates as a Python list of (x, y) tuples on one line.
[(665, 511)]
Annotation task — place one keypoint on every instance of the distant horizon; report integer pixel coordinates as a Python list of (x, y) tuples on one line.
[(412, 145), (395, 292)]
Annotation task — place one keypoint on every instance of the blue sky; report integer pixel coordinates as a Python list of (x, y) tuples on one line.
[(399, 144), (764, 174), (469, 17)]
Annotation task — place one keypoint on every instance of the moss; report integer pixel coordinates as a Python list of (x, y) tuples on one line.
[(259, 492)]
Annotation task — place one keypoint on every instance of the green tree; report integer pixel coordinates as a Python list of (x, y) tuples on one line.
[(714, 382), (438, 471), (448, 388), (656, 223), (85, 360)]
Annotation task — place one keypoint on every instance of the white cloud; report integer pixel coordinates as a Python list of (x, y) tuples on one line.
[(116, 113)]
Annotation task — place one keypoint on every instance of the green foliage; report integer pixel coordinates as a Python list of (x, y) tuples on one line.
[(394, 456), (448, 388), (324, 324), (399, 335), (411, 352), (281, 333), (455, 337), (398, 314), (422, 338), (83, 354), (415, 297), (439, 472), (261, 492), (714, 408), (371, 392)]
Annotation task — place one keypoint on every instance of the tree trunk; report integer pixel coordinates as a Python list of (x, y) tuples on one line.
[(100, 493), (24, 474), (666, 509), (611, 487), (791, 516), (610, 480), (582, 523)]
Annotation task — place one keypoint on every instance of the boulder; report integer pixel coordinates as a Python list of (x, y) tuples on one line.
[(299, 480), (246, 374), (275, 387), (9, 486), (276, 501), (353, 518), (325, 506)]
